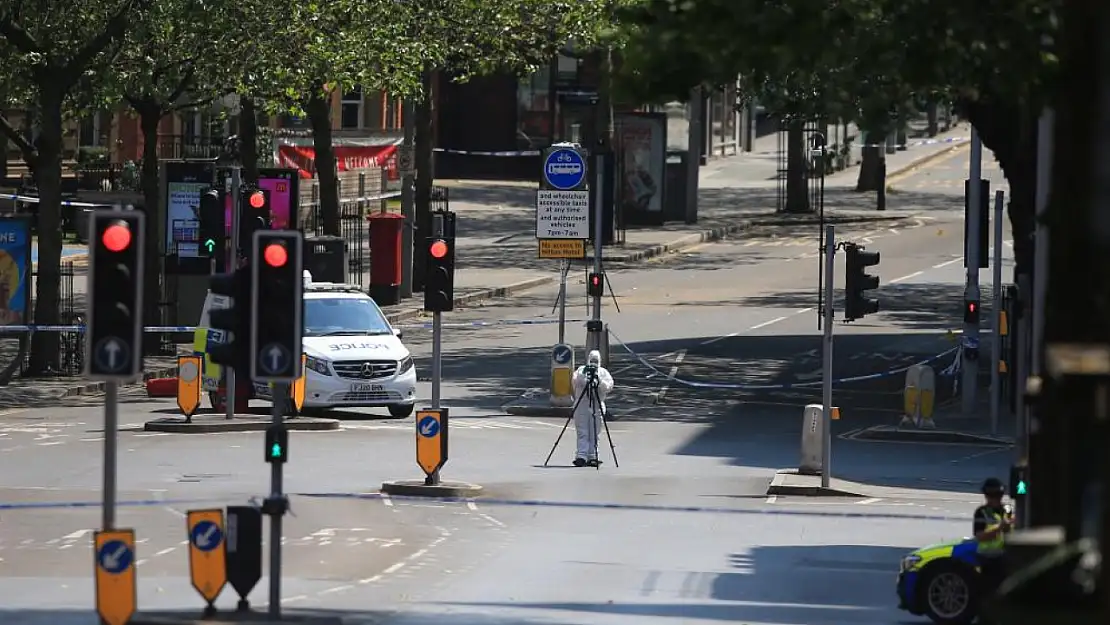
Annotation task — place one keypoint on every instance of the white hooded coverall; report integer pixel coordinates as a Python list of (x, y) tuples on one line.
[(587, 417)]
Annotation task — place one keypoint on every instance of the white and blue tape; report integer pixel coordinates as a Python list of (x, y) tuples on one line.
[(15, 329)]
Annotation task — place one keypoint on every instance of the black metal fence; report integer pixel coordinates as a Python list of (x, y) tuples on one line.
[(70, 359)]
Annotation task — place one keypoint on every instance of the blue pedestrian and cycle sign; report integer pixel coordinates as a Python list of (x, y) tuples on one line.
[(428, 426), (564, 169)]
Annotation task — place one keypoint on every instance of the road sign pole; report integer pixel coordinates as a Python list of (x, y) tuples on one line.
[(230, 393), (565, 269), (827, 344), (970, 366), (111, 432), (595, 328), (281, 389), (437, 371), (996, 313)]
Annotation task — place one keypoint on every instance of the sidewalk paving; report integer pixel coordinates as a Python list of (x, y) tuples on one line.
[(497, 255)]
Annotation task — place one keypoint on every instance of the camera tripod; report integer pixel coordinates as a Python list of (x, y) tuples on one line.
[(590, 393)]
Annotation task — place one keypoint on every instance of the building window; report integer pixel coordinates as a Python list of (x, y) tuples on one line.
[(350, 114), (533, 105), (88, 134)]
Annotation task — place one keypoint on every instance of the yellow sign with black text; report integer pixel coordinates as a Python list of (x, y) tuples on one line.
[(562, 248)]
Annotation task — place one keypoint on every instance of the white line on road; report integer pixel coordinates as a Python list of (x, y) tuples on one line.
[(867, 501), (164, 552), (907, 277), (387, 501), (76, 535), (757, 326), (948, 262), (670, 377), (767, 323), (772, 498)]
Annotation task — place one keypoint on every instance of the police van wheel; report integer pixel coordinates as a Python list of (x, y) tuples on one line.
[(400, 411), (949, 595)]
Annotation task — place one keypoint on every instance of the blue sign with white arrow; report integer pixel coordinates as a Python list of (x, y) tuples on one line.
[(564, 169), (561, 354), (206, 536), (428, 427), (115, 556)]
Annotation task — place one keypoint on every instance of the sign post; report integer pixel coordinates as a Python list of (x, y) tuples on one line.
[(207, 555), (563, 203), (116, 597), (243, 552)]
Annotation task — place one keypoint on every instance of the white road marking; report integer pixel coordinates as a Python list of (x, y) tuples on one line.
[(164, 552), (670, 377), (767, 323), (948, 262), (772, 498), (867, 501), (77, 535), (906, 277), (387, 501)]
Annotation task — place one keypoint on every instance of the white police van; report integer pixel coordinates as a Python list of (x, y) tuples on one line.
[(354, 356)]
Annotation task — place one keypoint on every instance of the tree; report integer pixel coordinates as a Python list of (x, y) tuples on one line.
[(51, 51), (179, 57), (861, 58)]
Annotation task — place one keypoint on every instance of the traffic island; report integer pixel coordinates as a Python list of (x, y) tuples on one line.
[(248, 616), (895, 434), (442, 490), (541, 407), (790, 482), (218, 424)]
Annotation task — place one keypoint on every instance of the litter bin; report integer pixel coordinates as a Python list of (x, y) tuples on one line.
[(325, 258), (385, 257), (677, 180)]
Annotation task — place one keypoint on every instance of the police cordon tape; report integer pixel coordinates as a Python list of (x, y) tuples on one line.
[(30, 199), (13, 329), (517, 153), (784, 386)]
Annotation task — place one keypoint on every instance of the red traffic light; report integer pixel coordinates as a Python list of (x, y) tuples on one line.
[(595, 280), (275, 255), (116, 237), (257, 199), (438, 249), (971, 307)]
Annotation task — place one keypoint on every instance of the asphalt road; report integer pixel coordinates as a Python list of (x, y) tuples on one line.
[(681, 532)]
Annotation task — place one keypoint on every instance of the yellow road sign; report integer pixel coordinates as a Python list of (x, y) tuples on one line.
[(296, 389), (431, 439), (1003, 324), (116, 599), (189, 383), (207, 555), (562, 248)]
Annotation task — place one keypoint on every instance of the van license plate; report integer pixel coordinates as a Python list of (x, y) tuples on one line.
[(366, 388)]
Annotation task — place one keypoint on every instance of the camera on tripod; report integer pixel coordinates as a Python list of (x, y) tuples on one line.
[(590, 371)]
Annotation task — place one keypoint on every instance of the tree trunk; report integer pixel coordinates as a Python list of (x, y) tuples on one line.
[(871, 176), (48, 177), (318, 108), (797, 191), (150, 116), (425, 176), (248, 138)]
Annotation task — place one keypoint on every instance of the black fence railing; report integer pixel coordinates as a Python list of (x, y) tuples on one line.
[(69, 360)]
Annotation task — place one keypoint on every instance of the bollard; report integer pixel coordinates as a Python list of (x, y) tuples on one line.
[(911, 396), (928, 390), (562, 369), (812, 440)]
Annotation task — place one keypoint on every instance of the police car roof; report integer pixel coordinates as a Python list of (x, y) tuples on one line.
[(333, 287)]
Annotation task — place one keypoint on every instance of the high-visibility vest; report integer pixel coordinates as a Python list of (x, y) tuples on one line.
[(999, 541)]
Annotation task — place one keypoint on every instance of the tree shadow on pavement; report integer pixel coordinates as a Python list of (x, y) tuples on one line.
[(62, 616)]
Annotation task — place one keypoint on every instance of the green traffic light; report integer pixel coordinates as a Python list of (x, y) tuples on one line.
[(210, 244), (275, 450), (1021, 488)]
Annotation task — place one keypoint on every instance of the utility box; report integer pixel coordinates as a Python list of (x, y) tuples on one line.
[(326, 258)]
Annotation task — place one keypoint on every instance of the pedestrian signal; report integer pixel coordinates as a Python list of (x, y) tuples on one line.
[(595, 285)]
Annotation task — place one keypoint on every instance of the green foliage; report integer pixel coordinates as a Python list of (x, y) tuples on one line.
[(851, 58)]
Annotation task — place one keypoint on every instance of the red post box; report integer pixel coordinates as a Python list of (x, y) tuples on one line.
[(385, 257)]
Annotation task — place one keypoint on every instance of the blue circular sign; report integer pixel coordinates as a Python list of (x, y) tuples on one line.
[(206, 536), (561, 354), (115, 556), (564, 169), (428, 427)]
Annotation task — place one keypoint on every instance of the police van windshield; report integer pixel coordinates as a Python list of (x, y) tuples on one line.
[(343, 317)]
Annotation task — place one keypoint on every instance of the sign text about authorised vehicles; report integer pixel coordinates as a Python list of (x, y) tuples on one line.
[(562, 214)]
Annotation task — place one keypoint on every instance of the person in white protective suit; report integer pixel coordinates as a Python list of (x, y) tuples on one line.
[(589, 410)]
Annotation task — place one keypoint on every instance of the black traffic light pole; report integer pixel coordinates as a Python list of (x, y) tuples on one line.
[(230, 391), (114, 313)]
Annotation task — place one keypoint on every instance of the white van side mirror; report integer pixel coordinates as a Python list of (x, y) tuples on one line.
[(398, 333)]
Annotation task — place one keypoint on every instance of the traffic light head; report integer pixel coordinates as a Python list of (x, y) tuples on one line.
[(1019, 481), (595, 284), (277, 306), (213, 228), (254, 212), (115, 305), (228, 323), (971, 311), (277, 444), (439, 283), (256, 199), (857, 282)]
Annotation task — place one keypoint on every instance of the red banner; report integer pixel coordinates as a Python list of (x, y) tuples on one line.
[(348, 158)]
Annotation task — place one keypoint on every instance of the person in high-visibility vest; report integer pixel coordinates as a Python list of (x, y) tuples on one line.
[(992, 522)]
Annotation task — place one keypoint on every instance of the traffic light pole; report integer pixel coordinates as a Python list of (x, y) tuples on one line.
[(996, 315), (280, 389), (594, 327), (232, 264), (111, 453), (970, 366), (439, 228), (827, 349)]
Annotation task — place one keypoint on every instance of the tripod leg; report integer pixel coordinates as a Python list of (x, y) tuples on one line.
[(612, 447), (565, 426), (611, 293)]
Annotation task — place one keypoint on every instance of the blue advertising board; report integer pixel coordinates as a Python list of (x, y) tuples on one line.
[(15, 270)]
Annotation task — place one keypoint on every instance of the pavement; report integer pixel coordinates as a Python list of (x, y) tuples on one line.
[(683, 532), (499, 259)]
